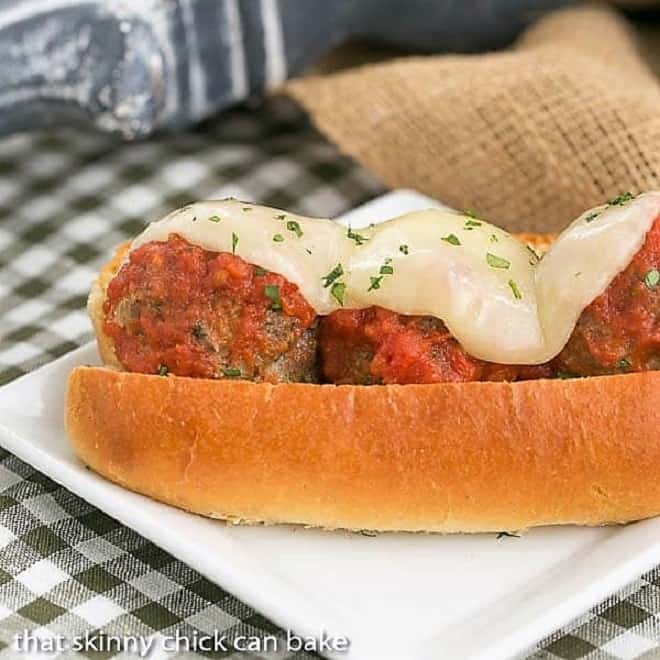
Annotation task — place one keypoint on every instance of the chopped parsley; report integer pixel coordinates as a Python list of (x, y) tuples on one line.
[(493, 238), (246, 208), (534, 257), (621, 199), (473, 220), (272, 292), (624, 363), (197, 331), (403, 248), (234, 242), (566, 375), (497, 262), (214, 218), (294, 226), (259, 271), (337, 292), (280, 217), (652, 278), (333, 275), (375, 282), (502, 535), (452, 239), (514, 288), (308, 251), (354, 236), (163, 370), (231, 372), (278, 238), (387, 268)]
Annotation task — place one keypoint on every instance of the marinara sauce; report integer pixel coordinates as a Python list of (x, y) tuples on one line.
[(175, 307), (376, 345), (619, 330)]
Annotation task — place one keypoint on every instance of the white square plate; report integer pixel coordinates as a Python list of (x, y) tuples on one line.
[(396, 596)]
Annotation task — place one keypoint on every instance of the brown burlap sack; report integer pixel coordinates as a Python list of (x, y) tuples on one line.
[(528, 137)]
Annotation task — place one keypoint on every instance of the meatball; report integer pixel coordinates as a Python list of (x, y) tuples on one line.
[(176, 308), (620, 330), (378, 346)]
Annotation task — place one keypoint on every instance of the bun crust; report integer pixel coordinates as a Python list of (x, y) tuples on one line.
[(465, 457), (95, 302), (449, 457)]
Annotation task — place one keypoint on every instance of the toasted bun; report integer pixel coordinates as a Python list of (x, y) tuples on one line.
[(447, 457), (464, 457)]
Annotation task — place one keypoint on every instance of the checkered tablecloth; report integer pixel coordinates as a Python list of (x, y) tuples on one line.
[(67, 197)]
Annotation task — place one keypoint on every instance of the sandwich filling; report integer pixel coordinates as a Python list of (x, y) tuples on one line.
[(496, 298), (228, 289)]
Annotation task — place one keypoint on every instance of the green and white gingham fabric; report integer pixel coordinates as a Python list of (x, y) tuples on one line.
[(67, 198)]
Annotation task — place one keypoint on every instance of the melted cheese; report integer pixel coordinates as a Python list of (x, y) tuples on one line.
[(483, 283)]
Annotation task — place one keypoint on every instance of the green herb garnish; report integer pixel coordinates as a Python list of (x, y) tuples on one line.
[(214, 218), (280, 217), (385, 269), (493, 238), (624, 363), (621, 199), (375, 282), (337, 292), (565, 375), (471, 224), (278, 238), (259, 271), (514, 288), (246, 208), (231, 372), (272, 292), (535, 257), (333, 275), (496, 262), (452, 239), (652, 278), (163, 370), (294, 226), (592, 216), (197, 330), (403, 248), (234, 242), (354, 236)]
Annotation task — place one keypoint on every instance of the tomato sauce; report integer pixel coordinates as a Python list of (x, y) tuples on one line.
[(174, 307), (376, 345), (619, 331)]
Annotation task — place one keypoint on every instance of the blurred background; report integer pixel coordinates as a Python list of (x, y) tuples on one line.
[(528, 110)]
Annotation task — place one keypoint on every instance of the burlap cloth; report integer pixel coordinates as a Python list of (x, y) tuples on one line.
[(529, 137)]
